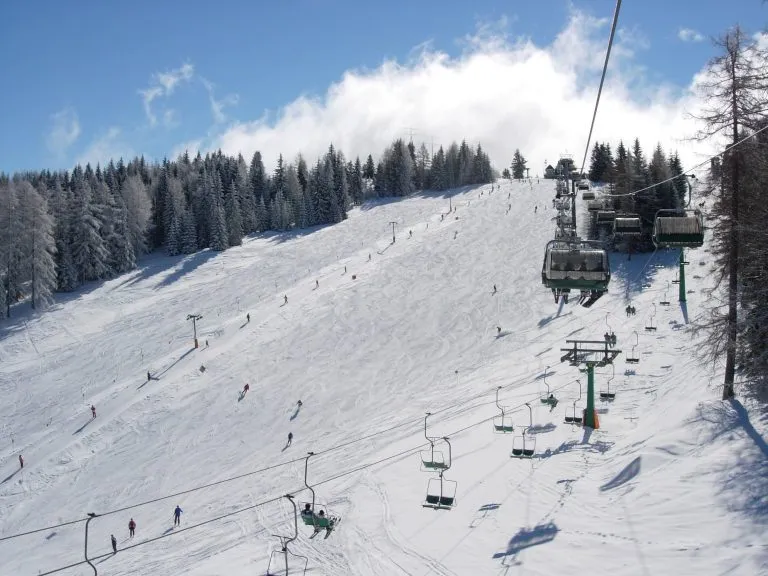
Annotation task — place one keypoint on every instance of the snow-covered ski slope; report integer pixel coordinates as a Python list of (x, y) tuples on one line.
[(673, 482)]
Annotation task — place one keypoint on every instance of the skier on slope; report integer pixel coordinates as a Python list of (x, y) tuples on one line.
[(177, 516), (246, 388), (290, 438), (286, 299), (93, 411), (114, 544), (248, 317), (299, 403), (131, 527), (21, 461)]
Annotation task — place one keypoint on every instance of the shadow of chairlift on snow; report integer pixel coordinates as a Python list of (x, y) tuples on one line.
[(529, 537), (598, 447), (629, 472), (482, 513)]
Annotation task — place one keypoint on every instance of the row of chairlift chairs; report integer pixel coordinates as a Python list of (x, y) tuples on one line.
[(441, 492), (571, 263)]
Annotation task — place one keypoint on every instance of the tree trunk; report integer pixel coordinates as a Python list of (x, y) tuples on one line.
[(733, 252)]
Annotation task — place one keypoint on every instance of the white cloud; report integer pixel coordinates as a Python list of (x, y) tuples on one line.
[(689, 35), (217, 106), (108, 146), (65, 130), (163, 84), (501, 94)]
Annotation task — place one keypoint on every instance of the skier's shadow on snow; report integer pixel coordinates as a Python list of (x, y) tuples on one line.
[(82, 427), (105, 559), (179, 359), (147, 382), (241, 396), (295, 413), (168, 531), (11, 475)]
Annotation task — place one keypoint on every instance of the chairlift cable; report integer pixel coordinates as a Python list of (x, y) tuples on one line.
[(691, 170), (400, 454), (261, 470), (602, 80)]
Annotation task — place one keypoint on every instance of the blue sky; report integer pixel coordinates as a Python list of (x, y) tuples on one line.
[(78, 74)]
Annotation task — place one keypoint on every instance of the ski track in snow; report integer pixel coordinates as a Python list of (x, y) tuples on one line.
[(415, 331)]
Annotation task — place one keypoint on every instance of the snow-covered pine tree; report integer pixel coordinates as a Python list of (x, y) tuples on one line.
[(66, 275), (188, 232), (258, 179), (294, 205), (466, 164), (174, 197), (232, 215), (137, 212), (379, 180), (452, 166), (403, 169), (302, 172), (89, 254), (369, 168), (518, 165), (340, 186), (122, 256), (438, 174), (245, 197), (422, 165), (217, 223), (42, 247), (355, 181)]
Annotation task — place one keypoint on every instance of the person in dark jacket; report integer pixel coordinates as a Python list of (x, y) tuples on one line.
[(131, 527), (177, 516), (114, 544), (93, 411), (21, 461)]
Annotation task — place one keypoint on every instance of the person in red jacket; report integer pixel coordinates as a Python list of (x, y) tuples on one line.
[(131, 527)]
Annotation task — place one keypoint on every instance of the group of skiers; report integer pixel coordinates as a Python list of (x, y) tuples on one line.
[(132, 528)]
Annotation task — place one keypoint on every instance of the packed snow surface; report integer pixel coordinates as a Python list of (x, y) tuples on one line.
[(674, 481)]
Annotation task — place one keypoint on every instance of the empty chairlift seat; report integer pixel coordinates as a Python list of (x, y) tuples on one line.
[(678, 228)]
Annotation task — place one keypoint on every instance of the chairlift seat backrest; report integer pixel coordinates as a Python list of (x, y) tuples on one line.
[(606, 216), (589, 264), (624, 225), (679, 229), (594, 205)]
